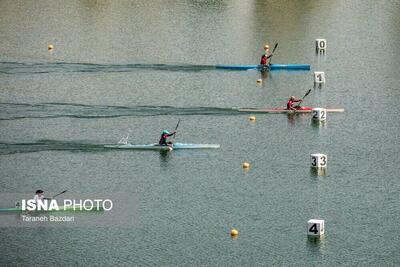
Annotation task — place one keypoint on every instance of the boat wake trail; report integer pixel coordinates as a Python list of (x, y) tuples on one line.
[(48, 145), (15, 111), (64, 67)]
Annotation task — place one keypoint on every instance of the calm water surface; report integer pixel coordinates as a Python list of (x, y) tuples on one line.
[(136, 67)]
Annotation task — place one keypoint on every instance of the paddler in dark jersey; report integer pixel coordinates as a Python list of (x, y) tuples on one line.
[(291, 102), (164, 136)]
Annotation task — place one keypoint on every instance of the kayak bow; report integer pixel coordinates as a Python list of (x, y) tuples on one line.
[(160, 147), (271, 67)]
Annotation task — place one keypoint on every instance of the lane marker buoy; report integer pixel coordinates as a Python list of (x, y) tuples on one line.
[(246, 165), (234, 233)]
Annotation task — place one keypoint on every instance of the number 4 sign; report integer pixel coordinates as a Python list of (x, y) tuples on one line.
[(315, 227)]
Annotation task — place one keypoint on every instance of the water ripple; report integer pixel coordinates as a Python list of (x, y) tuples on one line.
[(65, 67), (15, 111), (48, 145)]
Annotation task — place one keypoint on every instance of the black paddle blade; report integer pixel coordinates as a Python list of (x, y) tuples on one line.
[(273, 50), (177, 125), (308, 92), (176, 128), (276, 45), (59, 193)]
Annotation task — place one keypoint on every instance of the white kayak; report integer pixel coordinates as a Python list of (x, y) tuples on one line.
[(159, 147)]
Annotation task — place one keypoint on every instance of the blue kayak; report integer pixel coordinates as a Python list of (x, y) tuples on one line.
[(271, 67)]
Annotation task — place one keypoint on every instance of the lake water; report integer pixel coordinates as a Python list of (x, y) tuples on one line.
[(137, 67)]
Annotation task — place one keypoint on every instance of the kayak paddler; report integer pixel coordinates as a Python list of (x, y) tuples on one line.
[(39, 195), (264, 58), (164, 138), (290, 103)]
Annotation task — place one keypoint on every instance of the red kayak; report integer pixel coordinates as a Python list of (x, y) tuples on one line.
[(284, 110)]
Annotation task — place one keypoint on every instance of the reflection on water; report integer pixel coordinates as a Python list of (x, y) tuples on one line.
[(318, 124), (315, 172), (299, 117), (318, 85), (264, 75), (316, 245), (165, 156), (291, 118)]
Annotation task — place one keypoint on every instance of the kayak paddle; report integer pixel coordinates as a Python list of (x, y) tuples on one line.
[(273, 51), (308, 92), (59, 193), (176, 128)]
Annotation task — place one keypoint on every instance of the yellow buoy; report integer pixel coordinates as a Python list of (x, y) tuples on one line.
[(252, 118), (259, 81), (246, 165), (234, 233), (50, 47)]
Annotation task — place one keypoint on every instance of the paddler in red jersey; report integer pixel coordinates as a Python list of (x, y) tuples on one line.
[(164, 136), (291, 102), (264, 57), (264, 60)]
